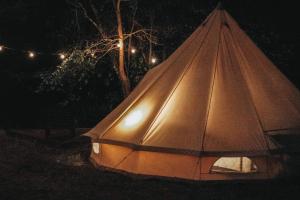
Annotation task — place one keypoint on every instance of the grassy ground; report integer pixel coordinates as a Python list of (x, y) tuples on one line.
[(37, 170)]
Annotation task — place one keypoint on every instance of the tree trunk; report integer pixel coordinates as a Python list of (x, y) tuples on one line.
[(121, 68), (150, 42)]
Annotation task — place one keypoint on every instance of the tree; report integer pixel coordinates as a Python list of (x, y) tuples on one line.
[(122, 73), (110, 39)]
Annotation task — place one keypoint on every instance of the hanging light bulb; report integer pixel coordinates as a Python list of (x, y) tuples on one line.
[(62, 56), (133, 50), (153, 60), (120, 43), (31, 54)]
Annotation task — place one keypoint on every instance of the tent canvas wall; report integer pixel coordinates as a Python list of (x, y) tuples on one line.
[(204, 113)]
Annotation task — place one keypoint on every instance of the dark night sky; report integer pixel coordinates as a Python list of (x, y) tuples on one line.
[(44, 25), (38, 24), (27, 25)]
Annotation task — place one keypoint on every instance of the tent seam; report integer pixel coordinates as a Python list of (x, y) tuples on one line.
[(212, 86), (123, 159), (273, 67), (245, 61), (211, 93), (150, 86), (186, 69)]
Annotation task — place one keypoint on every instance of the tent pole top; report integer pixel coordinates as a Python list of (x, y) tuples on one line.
[(220, 6)]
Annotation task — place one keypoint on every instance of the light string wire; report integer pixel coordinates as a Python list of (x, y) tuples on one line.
[(32, 53)]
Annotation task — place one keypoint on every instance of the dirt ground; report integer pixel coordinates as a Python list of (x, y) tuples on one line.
[(32, 169)]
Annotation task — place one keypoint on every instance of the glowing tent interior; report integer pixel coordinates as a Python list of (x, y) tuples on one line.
[(204, 113)]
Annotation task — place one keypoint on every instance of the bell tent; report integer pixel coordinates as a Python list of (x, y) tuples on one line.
[(205, 113)]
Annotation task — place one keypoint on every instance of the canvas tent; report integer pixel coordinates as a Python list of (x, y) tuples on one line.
[(204, 113)]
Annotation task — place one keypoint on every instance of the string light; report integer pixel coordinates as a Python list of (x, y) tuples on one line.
[(133, 50), (120, 44), (31, 54), (62, 56), (153, 60)]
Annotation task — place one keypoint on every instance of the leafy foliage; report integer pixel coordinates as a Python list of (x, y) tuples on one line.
[(71, 77)]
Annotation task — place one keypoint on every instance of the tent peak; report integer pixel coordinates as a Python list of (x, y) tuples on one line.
[(220, 6)]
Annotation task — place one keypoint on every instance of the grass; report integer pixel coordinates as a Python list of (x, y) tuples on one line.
[(31, 169)]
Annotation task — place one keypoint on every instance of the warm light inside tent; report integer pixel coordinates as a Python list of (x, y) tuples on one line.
[(1, 48), (133, 118), (96, 147)]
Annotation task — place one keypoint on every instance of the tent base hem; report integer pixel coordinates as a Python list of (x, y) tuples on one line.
[(145, 164)]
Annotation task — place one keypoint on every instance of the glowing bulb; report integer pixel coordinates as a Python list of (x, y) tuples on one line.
[(153, 60), (133, 50), (62, 56), (133, 118), (1, 48), (31, 54), (120, 44)]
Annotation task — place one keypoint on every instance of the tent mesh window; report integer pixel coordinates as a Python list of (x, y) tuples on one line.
[(234, 165)]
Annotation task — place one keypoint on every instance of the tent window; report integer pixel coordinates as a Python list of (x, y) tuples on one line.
[(96, 148), (234, 165)]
